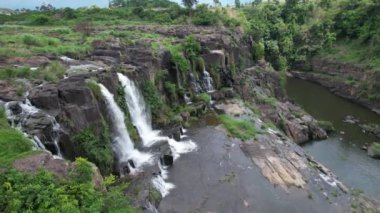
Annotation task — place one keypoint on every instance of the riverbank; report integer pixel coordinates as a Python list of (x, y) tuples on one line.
[(355, 83), (342, 151)]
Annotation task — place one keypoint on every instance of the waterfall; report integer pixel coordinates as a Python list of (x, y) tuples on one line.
[(140, 114), (122, 143), (26, 111), (207, 82)]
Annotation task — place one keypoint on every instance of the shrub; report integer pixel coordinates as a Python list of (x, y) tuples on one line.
[(32, 40), (41, 20), (203, 97), (242, 129), (203, 16), (258, 51), (95, 88), (82, 172), (96, 149), (327, 126), (171, 89), (152, 97)]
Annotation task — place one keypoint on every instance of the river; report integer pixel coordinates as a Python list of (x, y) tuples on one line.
[(341, 152)]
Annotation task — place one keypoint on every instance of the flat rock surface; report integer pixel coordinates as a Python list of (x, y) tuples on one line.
[(220, 177)]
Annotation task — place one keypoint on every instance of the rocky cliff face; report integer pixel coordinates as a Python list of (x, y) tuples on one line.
[(260, 85)]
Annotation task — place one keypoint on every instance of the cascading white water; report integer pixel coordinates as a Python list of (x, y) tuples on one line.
[(123, 145), (140, 114), (159, 182), (27, 109), (208, 83)]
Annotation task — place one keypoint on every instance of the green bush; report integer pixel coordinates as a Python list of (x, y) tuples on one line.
[(97, 149), (40, 20), (152, 97), (242, 129), (258, 51), (203, 16), (203, 97)]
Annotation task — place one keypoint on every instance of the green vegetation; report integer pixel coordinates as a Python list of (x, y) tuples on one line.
[(96, 148), (95, 88), (13, 144), (52, 72), (152, 98), (203, 97), (375, 147), (43, 192), (120, 100), (242, 129), (294, 31), (327, 126)]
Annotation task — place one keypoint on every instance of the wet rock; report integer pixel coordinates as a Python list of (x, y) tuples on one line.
[(374, 150), (351, 119), (299, 133), (220, 95), (167, 160), (215, 58), (14, 107), (45, 98), (371, 128)]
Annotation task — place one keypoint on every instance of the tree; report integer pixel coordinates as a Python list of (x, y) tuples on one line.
[(189, 3), (217, 3), (237, 3)]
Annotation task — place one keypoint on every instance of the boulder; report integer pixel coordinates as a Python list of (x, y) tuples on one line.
[(45, 98), (299, 133), (8, 92), (374, 150)]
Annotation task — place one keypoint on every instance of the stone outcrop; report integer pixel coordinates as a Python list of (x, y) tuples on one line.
[(74, 105), (59, 167), (260, 86)]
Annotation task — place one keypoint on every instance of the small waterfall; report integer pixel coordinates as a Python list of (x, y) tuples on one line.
[(24, 112), (159, 182), (123, 145), (207, 82), (140, 114), (141, 119)]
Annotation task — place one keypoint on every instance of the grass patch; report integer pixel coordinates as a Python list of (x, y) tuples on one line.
[(238, 128), (203, 97), (327, 126), (13, 144), (53, 72), (375, 147)]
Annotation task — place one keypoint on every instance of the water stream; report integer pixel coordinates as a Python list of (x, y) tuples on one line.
[(341, 152), (140, 116), (28, 110), (122, 143)]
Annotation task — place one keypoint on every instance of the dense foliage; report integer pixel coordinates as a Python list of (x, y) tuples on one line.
[(294, 31), (96, 147), (43, 192)]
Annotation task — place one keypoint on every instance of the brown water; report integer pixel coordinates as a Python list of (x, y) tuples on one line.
[(340, 152)]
